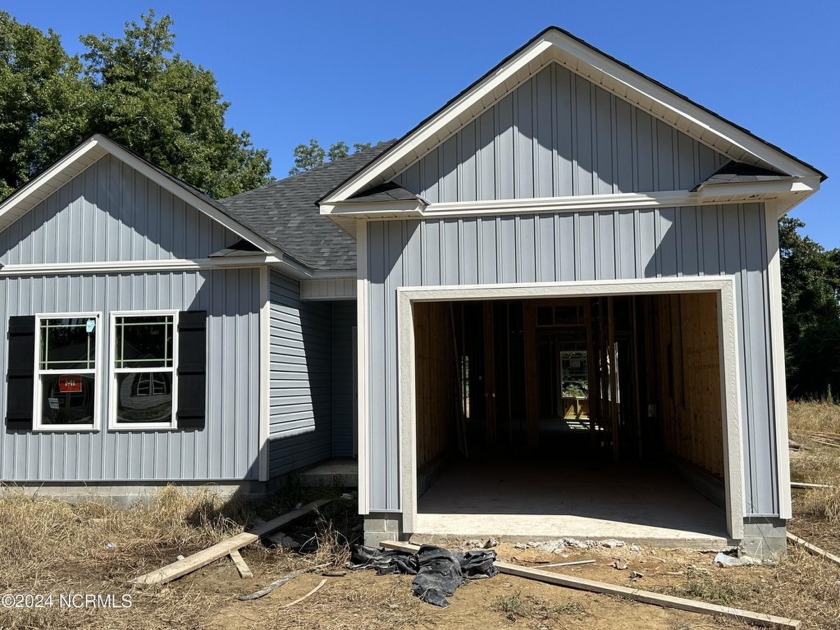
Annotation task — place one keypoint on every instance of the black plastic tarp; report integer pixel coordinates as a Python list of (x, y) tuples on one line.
[(437, 572)]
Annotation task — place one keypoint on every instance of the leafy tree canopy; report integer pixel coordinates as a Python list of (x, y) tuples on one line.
[(810, 294), (134, 89), (310, 155)]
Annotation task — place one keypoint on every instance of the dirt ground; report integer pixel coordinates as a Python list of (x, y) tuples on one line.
[(49, 547)]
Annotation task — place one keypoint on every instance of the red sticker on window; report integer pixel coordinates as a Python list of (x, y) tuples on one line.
[(69, 384)]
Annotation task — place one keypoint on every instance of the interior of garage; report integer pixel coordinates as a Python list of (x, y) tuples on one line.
[(602, 409)]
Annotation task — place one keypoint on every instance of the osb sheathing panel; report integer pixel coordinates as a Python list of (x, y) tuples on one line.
[(685, 329), (436, 402)]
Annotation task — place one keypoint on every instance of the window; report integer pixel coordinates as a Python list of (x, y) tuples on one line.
[(156, 375), (66, 392), (144, 370)]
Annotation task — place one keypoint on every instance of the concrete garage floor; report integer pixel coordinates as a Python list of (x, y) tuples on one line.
[(523, 501)]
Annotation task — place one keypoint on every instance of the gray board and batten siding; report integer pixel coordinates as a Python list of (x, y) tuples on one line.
[(311, 386), (559, 135), (579, 246), (110, 212)]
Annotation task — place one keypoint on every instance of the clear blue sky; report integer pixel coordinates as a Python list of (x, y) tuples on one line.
[(367, 71)]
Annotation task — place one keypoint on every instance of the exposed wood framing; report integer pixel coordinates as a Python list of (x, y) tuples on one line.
[(489, 373), (613, 378), (685, 334), (532, 422), (436, 378)]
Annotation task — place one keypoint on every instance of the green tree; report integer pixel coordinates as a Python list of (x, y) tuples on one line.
[(310, 155), (43, 101), (810, 292), (136, 90)]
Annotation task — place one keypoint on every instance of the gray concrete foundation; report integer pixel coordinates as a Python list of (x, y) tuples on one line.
[(127, 494), (765, 538), (384, 526)]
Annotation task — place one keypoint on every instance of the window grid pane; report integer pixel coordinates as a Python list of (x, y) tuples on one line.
[(145, 370), (144, 341), (66, 344)]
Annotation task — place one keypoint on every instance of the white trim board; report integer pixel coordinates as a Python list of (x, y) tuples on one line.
[(792, 191), (777, 355), (722, 286), (136, 266), (113, 390), (265, 374), (363, 372), (590, 63), (100, 340)]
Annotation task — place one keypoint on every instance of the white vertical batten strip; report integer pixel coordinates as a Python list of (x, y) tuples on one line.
[(363, 368), (407, 413), (777, 355), (265, 373)]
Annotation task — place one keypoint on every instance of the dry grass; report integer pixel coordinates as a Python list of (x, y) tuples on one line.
[(49, 546), (534, 609), (816, 511)]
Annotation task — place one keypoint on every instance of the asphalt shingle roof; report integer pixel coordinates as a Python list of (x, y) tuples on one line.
[(284, 213)]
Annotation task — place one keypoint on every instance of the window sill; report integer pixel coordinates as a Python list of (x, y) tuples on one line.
[(65, 428), (127, 428)]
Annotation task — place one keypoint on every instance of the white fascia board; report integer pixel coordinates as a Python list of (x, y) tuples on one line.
[(184, 194), (747, 190), (373, 209), (714, 194), (594, 66), (430, 131), (679, 108), (87, 154), (40, 187)]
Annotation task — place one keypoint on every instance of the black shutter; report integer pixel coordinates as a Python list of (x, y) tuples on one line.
[(192, 369), (20, 375)]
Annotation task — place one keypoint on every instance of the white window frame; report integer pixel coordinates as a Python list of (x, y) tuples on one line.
[(37, 419), (113, 371)]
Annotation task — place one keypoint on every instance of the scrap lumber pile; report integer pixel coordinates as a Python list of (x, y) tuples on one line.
[(230, 546)]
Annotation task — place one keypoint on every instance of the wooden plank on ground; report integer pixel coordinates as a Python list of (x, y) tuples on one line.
[(220, 550), (241, 566), (813, 548), (647, 597)]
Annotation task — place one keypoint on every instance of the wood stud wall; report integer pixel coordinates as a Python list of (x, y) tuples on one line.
[(684, 334), (669, 382), (437, 400)]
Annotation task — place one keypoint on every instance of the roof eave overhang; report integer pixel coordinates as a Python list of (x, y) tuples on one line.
[(787, 192), (554, 45)]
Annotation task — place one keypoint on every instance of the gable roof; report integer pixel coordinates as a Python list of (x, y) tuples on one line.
[(87, 153), (285, 213), (557, 45)]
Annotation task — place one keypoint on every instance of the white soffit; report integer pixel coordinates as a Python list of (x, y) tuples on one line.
[(554, 45)]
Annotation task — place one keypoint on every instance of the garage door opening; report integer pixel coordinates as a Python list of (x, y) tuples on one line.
[(580, 416)]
